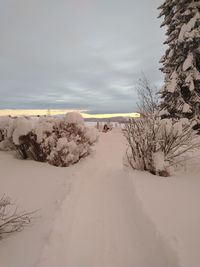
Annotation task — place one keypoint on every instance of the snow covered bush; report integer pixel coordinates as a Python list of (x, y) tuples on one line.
[(4, 121), (58, 141), (74, 118), (68, 143), (5, 143), (10, 219), (155, 145)]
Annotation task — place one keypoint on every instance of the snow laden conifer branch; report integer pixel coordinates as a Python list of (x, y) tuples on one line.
[(181, 62), (11, 220), (155, 145)]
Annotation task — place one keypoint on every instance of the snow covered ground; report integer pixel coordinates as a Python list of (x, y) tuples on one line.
[(99, 214), (173, 205)]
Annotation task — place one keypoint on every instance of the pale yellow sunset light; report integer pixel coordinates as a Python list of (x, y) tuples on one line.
[(132, 115), (35, 112)]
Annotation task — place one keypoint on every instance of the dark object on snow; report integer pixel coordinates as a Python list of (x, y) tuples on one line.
[(29, 148), (105, 128)]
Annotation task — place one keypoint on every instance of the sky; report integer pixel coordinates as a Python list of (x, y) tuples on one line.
[(78, 54)]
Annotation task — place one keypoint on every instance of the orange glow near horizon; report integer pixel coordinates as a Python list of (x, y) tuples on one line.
[(52, 112)]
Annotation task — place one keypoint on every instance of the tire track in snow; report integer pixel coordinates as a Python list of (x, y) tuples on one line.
[(101, 222)]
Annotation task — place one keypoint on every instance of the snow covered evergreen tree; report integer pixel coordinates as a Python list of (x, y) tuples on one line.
[(181, 62)]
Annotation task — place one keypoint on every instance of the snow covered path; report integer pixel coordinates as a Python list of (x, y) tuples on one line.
[(100, 222)]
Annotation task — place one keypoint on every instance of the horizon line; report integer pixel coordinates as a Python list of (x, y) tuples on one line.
[(54, 112)]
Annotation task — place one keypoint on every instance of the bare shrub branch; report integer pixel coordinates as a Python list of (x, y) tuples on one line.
[(147, 96), (154, 145), (12, 220)]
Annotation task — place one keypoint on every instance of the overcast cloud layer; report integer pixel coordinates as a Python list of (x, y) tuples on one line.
[(79, 54)]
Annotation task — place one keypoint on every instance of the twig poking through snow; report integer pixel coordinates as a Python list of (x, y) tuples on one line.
[(10, 219)]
